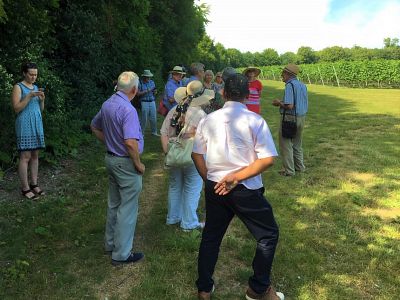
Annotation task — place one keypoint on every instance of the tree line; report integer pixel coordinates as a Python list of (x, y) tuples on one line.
[(216, 56)]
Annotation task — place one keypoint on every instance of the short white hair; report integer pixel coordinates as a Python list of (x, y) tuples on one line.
[(127, 80)]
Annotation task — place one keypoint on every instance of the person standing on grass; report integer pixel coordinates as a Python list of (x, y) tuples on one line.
[(117, 126), (255, 88), (230, 159), (174, 82), (291, 148), (185, 183), (147, 92), (28, 103)]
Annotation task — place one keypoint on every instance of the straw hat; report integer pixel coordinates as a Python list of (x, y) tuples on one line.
[(257, 71), (292, 69), (147, 73), (180, 94), (177, 69), (195, 88)]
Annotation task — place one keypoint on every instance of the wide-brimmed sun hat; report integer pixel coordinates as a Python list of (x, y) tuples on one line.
[(180, 94), (196, 89), (177, 69), (292, 69), (147, 73), (257, 71)]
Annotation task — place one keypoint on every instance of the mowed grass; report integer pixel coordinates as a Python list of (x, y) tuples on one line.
[(339, 221)]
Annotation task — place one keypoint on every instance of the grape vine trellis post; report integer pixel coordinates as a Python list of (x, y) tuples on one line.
[(337, 79)]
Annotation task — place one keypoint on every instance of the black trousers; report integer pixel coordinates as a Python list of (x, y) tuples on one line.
[(256, 213)]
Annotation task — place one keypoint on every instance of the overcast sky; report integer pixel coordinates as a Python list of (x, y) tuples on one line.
[(286, 25)]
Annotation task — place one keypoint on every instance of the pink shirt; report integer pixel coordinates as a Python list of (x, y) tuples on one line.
[(232, 138)]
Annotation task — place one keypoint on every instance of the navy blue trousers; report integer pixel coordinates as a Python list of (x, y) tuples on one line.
[(255, 212)]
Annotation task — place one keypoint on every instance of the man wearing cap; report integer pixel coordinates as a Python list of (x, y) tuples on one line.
[(255, 89), (174, 82), (117, 126), (146, 93), (291, 148)]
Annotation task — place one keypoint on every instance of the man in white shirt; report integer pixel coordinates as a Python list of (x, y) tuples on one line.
[(238, 147)]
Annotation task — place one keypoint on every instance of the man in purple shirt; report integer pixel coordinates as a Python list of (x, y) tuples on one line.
[(117, 126)]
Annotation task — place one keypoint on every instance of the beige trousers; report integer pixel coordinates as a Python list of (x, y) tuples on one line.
[(292, 150)]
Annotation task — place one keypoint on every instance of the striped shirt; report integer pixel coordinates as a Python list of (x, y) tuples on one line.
[(255, 88), (300, 91)]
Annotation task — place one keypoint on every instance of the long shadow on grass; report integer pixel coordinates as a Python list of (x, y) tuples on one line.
[(330, 247)]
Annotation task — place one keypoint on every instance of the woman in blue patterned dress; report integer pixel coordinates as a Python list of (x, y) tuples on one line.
[(28, 104)]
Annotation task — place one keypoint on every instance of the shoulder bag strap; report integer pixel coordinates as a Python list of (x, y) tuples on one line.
[(294, 104)]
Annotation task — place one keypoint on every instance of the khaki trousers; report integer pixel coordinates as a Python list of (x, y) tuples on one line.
[(292, 150)]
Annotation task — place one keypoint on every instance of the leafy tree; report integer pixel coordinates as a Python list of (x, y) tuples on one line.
[(234, 57), (335, 53), (270, 57), (306, 55), (390, 42), (207, 52), (288, 57)]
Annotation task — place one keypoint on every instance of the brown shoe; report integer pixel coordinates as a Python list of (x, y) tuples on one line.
[(269, 294), (205, 295)]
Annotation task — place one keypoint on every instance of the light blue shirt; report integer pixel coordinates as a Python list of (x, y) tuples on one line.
[(145, 86), (300, 91), (169, 92)]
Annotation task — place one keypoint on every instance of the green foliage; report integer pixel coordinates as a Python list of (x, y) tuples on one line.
[(374, 73), (288, 57), (80, 48), (306, 55), (335, 53)]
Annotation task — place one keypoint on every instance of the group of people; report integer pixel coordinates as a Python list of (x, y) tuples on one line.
[(232, 147)]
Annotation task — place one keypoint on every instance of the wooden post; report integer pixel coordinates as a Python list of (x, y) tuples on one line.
[(320, 75), (273, 75), (309, 81), (337, 79)]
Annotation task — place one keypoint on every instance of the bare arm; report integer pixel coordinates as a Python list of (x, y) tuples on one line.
[(19, 104), (98, 133), (226, 184), (280, 103), (164, 143), (200, 164), (133, 150)]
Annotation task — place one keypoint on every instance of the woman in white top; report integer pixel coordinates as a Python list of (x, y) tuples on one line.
[(185, 182)]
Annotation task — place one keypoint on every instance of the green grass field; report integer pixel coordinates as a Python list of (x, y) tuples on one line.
[(339, 221)]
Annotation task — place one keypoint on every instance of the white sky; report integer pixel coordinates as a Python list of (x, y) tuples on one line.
[(286, 25)]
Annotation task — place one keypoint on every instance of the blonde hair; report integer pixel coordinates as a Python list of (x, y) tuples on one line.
[(127, 80), (209, 72)]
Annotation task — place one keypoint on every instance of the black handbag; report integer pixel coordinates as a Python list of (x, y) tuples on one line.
[(289, 127)]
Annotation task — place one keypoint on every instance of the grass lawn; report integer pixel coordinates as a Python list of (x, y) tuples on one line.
[(339, 221)]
